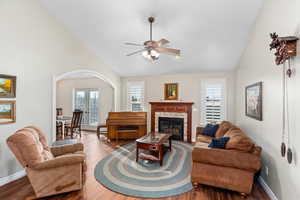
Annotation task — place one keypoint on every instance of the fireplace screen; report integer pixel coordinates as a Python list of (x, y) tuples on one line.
[(173, 126)]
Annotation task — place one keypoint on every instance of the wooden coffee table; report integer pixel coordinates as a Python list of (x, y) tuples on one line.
[(153, 142)]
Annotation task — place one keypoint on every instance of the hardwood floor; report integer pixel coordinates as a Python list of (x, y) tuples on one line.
[(95, 151)]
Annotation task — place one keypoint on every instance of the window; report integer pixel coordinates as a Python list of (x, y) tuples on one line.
[(213, 101), (135, 96)]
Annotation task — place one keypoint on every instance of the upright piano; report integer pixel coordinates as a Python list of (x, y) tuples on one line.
[(126, 125)]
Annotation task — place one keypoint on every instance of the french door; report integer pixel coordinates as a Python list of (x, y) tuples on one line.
[(87, 100)]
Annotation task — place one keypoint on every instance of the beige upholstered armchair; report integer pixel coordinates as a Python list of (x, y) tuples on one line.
[(51, 170)]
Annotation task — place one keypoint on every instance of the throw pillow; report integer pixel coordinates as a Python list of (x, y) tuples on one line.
[(239, 141), (224, 127), (210, 130), (219, 143)]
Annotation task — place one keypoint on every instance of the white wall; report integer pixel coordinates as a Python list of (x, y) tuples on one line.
[(35, 47), (257, 64), (65, 90), (189, 91)]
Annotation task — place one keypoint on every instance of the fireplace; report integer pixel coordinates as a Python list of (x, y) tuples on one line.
[(174, 126), (182, 110)]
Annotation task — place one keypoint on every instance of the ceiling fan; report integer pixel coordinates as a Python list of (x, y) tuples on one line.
[(152, 49)]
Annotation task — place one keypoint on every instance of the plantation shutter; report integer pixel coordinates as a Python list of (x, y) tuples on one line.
[(135, 96), (213, 102)]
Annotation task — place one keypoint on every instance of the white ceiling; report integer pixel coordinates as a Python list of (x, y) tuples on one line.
[(210, 33)]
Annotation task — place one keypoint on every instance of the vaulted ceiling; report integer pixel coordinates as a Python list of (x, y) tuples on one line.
[(210, 33)]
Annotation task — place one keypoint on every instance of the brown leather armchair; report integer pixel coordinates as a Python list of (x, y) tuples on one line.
[(51, 170), (231, 168)]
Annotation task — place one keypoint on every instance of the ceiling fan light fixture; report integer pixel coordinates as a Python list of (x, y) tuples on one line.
[(178, 57), (151, 54)]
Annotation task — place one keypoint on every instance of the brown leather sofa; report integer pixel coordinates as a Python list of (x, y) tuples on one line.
[(231, 168), (50, 170)]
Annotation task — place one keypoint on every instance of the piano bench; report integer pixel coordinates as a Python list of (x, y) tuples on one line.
[(99, 131)]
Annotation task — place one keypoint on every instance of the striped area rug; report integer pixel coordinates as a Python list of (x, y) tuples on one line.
[(121, 173)]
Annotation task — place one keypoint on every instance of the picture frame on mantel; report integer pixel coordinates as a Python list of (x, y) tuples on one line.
[(253, 101), (171, 91), (7, 86), (7, 112)]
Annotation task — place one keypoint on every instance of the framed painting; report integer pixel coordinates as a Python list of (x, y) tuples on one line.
[(171, 91), (7, 86), (254, 101), (7, 112)]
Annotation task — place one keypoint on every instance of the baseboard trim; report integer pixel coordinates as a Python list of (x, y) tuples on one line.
[(267, 189), (13, 177)]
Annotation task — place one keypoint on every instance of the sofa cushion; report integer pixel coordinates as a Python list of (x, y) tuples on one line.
[(238, 140), (200, 144), (210, 130), (227, 158), (204, 138), (223, 128), (218, 143)]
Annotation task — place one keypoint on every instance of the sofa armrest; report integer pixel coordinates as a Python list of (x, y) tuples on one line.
[(60, 161), (227, 158), (64, 149)]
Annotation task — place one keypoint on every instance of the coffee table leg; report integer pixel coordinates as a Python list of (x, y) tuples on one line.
[(161, 155), (170, 144), (137, 154), (98, 132)]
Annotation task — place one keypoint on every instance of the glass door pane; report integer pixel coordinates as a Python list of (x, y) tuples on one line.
[(81, 104), (93, 107)]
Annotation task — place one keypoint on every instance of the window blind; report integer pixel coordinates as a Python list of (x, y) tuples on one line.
[(135, 96), (213, 102)]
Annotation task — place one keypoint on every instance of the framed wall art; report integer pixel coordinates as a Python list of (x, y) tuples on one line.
[(171, 91), (7, 112), (253, 97), (7, 86)]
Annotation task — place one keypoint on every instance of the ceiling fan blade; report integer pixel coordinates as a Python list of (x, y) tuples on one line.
[(168, 50), (135, 52), (162, 42), (134, 44)]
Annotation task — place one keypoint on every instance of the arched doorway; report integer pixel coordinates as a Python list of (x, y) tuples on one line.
[(74, 74)]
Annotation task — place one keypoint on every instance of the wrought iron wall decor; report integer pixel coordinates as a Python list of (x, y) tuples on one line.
[(286, 48)]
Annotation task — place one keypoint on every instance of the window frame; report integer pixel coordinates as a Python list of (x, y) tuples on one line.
[(204, 84), (129, 99)]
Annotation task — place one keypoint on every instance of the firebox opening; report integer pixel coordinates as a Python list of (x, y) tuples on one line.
[(174, 126)]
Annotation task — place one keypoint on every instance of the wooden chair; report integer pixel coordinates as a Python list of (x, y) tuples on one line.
[(59, 126), (59, 130), (75, 125), (59, 112), (103, 132)]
